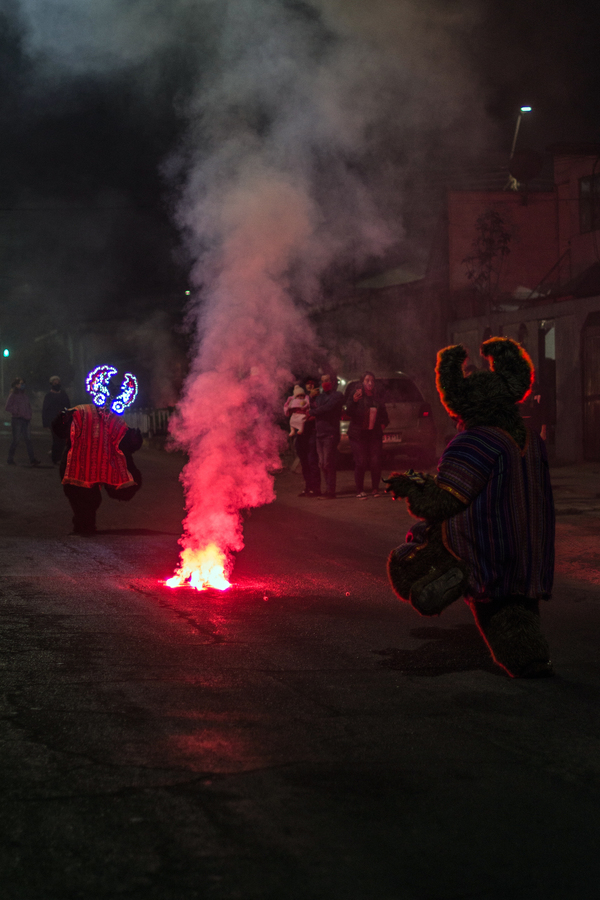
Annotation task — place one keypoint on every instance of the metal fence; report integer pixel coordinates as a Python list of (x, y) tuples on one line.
[(151, 422)]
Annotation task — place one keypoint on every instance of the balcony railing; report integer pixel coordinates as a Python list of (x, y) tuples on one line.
[(151, 422)]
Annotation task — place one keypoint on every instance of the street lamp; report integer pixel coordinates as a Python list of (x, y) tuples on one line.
[(523, 111), (512, 184), (5, 355)]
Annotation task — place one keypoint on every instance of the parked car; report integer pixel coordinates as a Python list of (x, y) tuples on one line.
[(411, 432)]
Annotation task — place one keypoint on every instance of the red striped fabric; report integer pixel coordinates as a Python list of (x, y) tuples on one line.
[(94, 457)]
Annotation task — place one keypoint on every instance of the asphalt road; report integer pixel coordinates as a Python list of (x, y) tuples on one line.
[(303, 735)]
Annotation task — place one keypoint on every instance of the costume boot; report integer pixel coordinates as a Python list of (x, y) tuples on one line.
[(514, 637)]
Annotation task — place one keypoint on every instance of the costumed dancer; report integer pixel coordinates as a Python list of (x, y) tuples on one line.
[(488, 516), (99, 448)]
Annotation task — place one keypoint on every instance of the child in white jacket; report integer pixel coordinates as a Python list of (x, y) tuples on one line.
[(299, 404)]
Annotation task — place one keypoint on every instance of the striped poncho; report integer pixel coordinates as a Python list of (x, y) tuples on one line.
[(506, 533), (94, 456)]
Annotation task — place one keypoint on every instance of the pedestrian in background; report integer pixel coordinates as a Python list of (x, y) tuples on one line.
[(19, 407), (368, 418), (327, 410), (306, 446), (54, 402), (297, 408)]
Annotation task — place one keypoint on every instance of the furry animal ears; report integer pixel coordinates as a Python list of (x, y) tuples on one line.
[(508, 382)]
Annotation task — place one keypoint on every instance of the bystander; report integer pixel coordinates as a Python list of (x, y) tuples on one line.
[(19, 407)]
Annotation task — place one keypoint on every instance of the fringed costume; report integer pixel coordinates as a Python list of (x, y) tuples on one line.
[(98, 453)]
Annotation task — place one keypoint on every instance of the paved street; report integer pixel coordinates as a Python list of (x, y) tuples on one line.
[(301, 736)]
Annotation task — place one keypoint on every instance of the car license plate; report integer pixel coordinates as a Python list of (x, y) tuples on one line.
[(392, 438)]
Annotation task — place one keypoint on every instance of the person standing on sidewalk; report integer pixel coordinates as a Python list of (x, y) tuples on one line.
[(327, 411), (19, 407), (306, 446), (368, 417)]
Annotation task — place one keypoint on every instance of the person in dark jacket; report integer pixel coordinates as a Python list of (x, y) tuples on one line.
[(19, 407), (327, 411), (306, 446), (54, 402), (368, 418)]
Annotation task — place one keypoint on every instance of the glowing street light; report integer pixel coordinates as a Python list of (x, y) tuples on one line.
[(512, 184), (523, 111), (5, 355)]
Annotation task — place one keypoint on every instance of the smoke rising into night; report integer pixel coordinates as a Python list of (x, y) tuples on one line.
[(275, 194), (264, 126), (305, 123)]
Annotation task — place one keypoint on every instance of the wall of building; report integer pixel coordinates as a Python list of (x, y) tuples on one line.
[(581, 249), (566, 445), (531, 220)]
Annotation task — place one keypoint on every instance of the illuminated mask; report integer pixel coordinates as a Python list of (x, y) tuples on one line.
[(97, 385)]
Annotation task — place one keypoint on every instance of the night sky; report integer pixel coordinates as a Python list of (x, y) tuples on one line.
[(95, 131)]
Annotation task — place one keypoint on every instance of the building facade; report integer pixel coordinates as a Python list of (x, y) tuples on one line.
[(543, 289)]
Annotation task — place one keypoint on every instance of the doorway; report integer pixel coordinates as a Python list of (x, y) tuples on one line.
[(591, 386), (546, 379)]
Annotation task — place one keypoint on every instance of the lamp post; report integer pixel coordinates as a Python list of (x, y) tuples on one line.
[(5, 355), (512, 184), (522, 111)]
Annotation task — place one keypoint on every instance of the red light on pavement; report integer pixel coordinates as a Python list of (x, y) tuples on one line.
[(201, 569)]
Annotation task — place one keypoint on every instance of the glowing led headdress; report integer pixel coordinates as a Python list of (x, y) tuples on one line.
[(97, 384)]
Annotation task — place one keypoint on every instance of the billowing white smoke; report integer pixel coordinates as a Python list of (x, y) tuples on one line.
[(272, 199), (306, 122), (261, 238), (250, 329)]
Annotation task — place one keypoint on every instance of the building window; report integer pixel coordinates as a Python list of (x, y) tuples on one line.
[(589, 203)]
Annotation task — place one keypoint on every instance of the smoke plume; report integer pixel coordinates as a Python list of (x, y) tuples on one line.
[(250, 205), (307, 120)]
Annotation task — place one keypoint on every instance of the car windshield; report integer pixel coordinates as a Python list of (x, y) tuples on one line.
[(399, 390)]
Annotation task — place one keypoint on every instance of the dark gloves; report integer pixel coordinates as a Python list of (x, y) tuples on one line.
[(400, 482), (424, 498)]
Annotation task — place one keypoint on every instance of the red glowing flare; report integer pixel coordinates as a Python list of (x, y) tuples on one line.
[(201, 569)]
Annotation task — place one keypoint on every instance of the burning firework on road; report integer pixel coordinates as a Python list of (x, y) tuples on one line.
[(201, 569), (268, 205), (225, 420)]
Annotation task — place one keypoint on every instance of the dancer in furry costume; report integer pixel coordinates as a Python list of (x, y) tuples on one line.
[(488, 529)]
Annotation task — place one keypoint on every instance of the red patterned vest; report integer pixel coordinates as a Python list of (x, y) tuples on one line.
[(94, 457)]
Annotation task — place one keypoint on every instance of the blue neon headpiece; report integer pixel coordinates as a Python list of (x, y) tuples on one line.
[(97, 385)]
